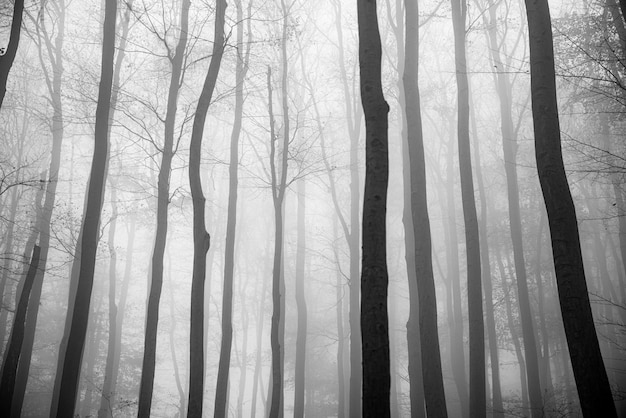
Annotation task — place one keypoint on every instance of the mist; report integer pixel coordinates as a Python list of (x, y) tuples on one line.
[(342, 209)]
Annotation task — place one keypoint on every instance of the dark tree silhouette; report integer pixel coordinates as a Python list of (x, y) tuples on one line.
[(201, 238), (91, 223), (582, 341), (374, 276)]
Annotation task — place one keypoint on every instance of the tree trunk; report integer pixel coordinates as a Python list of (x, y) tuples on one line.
[(91, 223), (509, 146), (8, 56), (12, 354), (107, 397), (301, 342), (477, 397), (423, 297), (589, 372), (221, 392), (374, 278), (201, 238), (496, 387), (163, 199)]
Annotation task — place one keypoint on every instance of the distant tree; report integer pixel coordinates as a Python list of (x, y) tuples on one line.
[(8, 56), (91, 223), (374, 276), (201, 238), (163, 200), (592, 382), (422, 332), (477, 398)]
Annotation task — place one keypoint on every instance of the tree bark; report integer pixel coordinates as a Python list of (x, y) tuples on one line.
[(12, 354), (589, 372), (201, 238), (91, 223), (374, 276), (6, 59)]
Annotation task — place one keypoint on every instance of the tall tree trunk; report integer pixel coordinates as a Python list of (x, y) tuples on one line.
[(279, 187), (477, 397), (12, 354), (258, 365), (201, 238), (301, 342), (423, 297), (339, 296), (455, 308), (496, 387), (91, 223), (7, 58), (107, 397), (221, 392), (509, 146), (374, 278), (163, 199), (589, 372), (54, 84), (353, 116)]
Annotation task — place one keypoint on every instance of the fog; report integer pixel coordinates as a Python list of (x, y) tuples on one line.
[(186, 226)]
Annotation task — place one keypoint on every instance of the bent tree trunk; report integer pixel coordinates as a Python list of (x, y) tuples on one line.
[(423, 290), (201, 238), (221, 391), (374, 276), (163, 199), (589, 372), (91, 223)]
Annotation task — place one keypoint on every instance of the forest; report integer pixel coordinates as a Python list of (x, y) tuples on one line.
[(327, 208)]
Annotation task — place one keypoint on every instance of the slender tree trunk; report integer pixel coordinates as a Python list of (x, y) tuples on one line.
[(374, 278), (7, 58), (509, 146), (422, 290), (55, 57), (201, 238), (12, 354), (301, 342), (514, 336), (496, 387), (163, 199), (107, 397), (354, 128), (472, 242), (259, 353), (455, 308), (221, 393), (339, 296), (80, 314), (589, 372)]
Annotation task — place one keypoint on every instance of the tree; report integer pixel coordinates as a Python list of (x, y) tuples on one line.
[(472, 241), (592, 382), (221, 392), (509, 147), (374, 276), (80, 314), (423, 303), (163, 199), (12, 354), (201, 238), (8, 56)]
